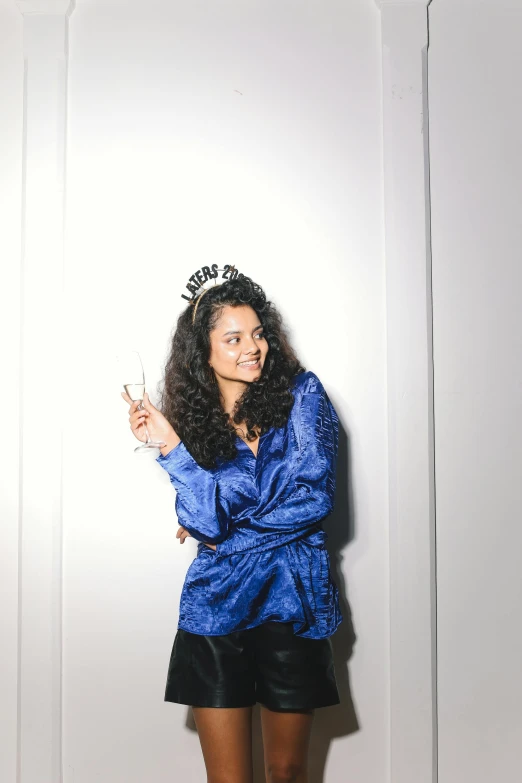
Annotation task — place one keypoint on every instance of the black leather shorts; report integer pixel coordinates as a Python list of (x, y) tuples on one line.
[(266, 664)]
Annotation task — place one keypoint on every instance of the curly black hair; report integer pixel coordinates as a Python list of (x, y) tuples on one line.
[(189, 393)]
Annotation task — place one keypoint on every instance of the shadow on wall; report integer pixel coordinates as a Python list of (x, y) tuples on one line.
[(341, 719)]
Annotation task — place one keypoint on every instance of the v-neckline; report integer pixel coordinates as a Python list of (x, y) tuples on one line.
[(256, 455), (248, 447), (252, 450)]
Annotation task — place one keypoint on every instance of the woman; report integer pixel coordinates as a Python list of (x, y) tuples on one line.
[(251, 451)]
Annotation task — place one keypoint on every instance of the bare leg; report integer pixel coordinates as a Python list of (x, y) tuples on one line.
[(286, 737), (225, 735)]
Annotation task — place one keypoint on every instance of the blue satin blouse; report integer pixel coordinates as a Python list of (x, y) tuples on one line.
[(264, 513)]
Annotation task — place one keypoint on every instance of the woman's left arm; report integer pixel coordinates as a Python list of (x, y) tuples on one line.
[(313, 476)]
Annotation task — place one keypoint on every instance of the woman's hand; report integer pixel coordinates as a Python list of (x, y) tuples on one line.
[(183, 533), (158, 426)]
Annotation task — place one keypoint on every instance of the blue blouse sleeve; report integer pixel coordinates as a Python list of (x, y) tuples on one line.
[(198, 505), (311, 482)]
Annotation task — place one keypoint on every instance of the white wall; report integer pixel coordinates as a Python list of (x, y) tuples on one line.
[(252, 133), (476, 175), (234, 132)]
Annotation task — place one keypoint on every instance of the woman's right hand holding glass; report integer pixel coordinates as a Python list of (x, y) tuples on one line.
[(159, 428)]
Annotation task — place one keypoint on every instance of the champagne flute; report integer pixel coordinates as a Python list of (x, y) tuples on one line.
[(133, 378)]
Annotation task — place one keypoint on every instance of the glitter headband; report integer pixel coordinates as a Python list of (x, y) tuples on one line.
[(201, 276)]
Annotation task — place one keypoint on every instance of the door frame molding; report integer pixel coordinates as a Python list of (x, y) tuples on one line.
[(42, 334), (411, 446)]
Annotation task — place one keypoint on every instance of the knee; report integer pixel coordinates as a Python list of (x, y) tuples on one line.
[(280, 772)]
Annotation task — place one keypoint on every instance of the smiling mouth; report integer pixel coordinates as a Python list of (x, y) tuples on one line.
[(250, 363)]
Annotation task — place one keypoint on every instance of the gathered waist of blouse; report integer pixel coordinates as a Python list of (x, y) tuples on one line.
[(250, 542), (286, 579)]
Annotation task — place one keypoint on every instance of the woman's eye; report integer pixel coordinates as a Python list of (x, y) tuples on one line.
[(259, 334)]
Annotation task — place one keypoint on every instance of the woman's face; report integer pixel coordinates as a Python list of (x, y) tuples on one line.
[(236, 341)]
